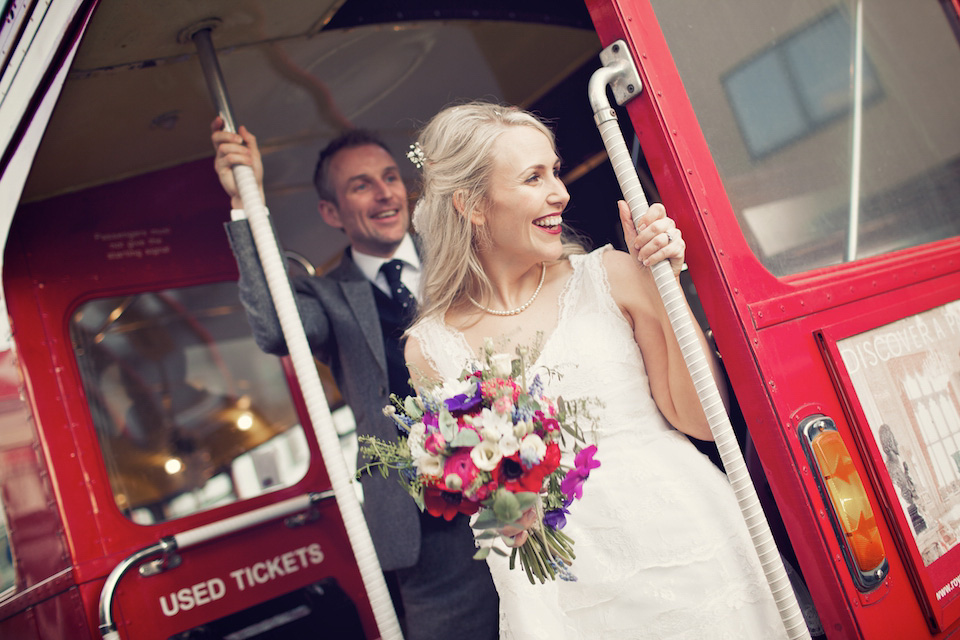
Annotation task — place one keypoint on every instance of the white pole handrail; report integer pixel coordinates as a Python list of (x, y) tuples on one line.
[(274, 269), (620, 73)]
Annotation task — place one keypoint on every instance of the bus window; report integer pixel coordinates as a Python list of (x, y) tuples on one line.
[(21, 472), (826, 156), (189, 413), (6, 555)]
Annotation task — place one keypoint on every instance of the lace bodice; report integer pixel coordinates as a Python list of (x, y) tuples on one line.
[(592, 348)]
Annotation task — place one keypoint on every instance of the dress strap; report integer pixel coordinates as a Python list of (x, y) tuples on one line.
[(595, 289), (445, 350)]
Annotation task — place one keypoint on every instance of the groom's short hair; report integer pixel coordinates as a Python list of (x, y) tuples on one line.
[(348, 140)]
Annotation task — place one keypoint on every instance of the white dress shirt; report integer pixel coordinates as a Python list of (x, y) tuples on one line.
[(410, 275)]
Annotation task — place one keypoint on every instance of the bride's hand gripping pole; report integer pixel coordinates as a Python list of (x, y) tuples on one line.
[(274, 269), (620, 73)]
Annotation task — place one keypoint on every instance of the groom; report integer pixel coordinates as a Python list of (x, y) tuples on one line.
[(354, 318)]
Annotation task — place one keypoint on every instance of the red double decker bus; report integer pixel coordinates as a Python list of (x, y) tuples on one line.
[(160, 477)]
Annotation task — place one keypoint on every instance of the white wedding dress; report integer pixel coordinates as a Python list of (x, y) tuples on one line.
[(661, 548)]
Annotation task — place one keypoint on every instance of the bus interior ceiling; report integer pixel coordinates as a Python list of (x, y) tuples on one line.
[(135, 100)]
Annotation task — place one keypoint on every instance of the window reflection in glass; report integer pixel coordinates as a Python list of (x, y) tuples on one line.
[(797, 85), (7, 575), (812, 183), (189, 413)]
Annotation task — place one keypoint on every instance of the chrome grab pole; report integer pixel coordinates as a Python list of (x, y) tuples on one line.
[(274, 269), (620, 73), (856, 142)]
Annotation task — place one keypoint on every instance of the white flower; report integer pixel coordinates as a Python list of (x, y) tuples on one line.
[(491, 434), (532, 449), (416, 439), (509, 445), (429, 465), (453, 388), (486, 455), (501, 364), (492, 420), (449, 389), (521, 429)]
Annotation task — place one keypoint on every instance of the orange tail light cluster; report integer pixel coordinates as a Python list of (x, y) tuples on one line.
[(852, 516)]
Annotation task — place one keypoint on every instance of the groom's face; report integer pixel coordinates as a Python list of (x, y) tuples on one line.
[(371, 199)]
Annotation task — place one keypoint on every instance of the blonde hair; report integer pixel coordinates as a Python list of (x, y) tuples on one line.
[(457, 146)]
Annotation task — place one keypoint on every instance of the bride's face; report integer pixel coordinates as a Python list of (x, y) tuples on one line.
[(525, 198)]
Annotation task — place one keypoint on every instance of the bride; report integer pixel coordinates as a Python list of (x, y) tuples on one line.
[(661, 548)]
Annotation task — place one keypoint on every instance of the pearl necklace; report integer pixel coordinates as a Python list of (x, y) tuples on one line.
[(513, 312)]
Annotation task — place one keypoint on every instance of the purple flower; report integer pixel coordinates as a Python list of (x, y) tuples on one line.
[(557, 518), (572, 483), (463, 402)]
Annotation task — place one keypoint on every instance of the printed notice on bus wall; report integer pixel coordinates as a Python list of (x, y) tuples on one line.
[(135, 244), (907, 378)]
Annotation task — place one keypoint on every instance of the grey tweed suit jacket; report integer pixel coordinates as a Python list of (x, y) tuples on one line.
[(343, 328)]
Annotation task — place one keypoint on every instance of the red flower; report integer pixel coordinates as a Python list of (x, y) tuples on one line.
[(446, 504), (516, 479), (551, 460), (485, 490), (547, 466)]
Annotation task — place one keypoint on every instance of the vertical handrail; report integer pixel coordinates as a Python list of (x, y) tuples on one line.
[(856, 144), (274, 269), (620, 73)]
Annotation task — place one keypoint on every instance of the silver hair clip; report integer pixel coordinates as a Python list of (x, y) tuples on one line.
[(416, 155)]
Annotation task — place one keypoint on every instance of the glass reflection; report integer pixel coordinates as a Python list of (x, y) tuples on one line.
[(833, 124), (189, 413), (7, 573)]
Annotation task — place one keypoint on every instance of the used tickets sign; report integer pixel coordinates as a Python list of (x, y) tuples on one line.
[(258, 573)]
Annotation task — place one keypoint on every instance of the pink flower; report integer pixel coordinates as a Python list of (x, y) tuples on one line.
[(504, 405), (550, 424), (435, 443), (572, 484), (460, 464), (497, 387)]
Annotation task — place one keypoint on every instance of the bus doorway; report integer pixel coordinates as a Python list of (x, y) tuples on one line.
[(814, 172)]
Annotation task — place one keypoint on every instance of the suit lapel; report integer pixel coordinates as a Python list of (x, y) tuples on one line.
[(359, 296)]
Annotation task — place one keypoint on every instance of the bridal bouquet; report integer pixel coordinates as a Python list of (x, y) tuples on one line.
[(489, 444)]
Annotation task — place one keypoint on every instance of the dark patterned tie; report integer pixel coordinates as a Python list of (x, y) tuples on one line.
[(399, 290)]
